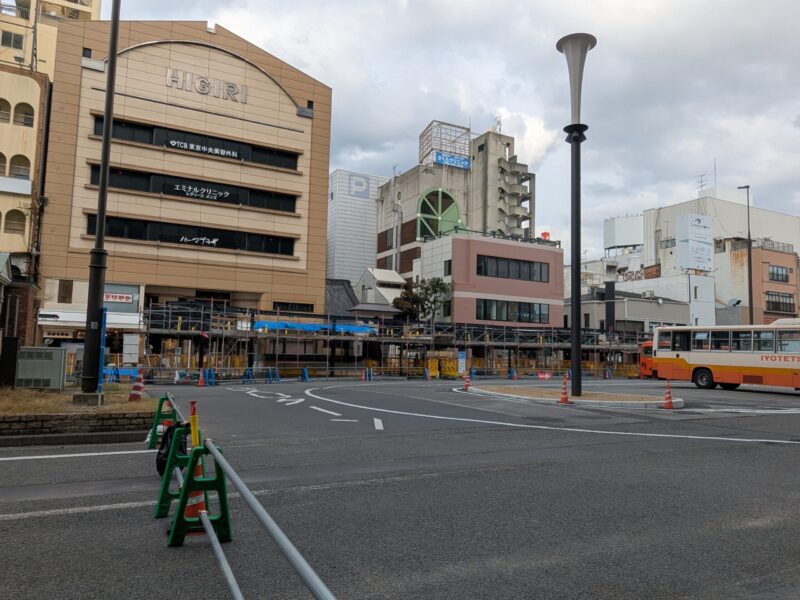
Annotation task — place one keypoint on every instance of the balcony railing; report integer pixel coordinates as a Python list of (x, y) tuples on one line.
[(12, 10), (782, 307)]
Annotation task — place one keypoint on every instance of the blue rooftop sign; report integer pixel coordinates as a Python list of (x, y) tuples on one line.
[(451, 160)]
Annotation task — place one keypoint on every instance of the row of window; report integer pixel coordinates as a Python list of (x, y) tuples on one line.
[(192, 235), (168, 185), (729, 341), (504, 310), (293, 307), (23, 113), (509, 268), (14, 222), (19, 166), (780, 302), (777, 273), (195, 142)]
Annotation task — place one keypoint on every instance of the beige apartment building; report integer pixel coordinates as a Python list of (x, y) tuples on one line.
[(28, 31), (218, 181)]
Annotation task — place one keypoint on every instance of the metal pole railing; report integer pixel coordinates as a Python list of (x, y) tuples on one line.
[(292, 554), (230, 579)]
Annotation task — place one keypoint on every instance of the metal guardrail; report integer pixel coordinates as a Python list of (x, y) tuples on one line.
[(292, 554), (230, 578)]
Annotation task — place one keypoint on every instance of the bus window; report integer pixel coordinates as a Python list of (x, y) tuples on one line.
[(742, 341), (700, 340), (789, 341), (647, 350), (680, 341), (764, 341), (664, 340), (721, 341)]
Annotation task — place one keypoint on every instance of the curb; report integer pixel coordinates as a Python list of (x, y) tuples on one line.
[(676, 402), (65, 439)]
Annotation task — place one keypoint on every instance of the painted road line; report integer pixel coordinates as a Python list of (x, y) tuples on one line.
[(378, 424), (310, 392), (345, 420), (48, 456), (290, 401), (330, 412)]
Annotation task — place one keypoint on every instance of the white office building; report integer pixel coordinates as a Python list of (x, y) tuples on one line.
[(351, 224)]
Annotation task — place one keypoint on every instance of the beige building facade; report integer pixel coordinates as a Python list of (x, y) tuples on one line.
[(218, 181)]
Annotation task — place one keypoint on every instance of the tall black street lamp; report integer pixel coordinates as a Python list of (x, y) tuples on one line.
[(92, 370), (749, 257), (575, 47)]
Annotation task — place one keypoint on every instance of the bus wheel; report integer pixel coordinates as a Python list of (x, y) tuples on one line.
[(703, 379), (729, 386)]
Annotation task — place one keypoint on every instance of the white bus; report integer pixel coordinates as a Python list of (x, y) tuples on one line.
[(730, 356)]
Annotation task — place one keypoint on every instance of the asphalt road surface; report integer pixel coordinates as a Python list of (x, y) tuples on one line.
[(408, 489)]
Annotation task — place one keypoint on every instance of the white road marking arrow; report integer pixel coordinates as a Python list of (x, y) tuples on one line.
[(290, 401)]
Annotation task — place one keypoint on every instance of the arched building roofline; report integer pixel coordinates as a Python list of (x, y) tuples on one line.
[(213, 47)]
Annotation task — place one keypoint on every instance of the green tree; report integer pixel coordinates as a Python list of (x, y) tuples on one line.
[(432, 293), (408, 302)]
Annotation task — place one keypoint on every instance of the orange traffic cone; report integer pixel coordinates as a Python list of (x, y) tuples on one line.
[(197, 499), (466, 383), (564, 396), (668, 398), (201, 382), (137, 389)]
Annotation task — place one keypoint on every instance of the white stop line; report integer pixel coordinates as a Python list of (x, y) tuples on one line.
[(310, 392)]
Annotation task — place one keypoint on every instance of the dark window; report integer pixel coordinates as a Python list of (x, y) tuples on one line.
[(520, 312), (208, 145), (681, 341), (87, 53), (310, 104), (448, 267), (780, 302), (481, 147), (779, 273), (447, 308), (700, 340), (65, 291), (742, 341), (193, 188), (721, 341), (193, 235), (12, 40), (509, 268), (293, 307)]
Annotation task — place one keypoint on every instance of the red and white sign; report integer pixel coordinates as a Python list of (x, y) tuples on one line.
[(115, 297)]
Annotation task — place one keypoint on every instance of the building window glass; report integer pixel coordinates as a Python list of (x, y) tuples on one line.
[(448, 268), (780, 302), (87, 53), (293, 307), (12, 40), (2, 165), (15, 222), (207, 145), (20, 167), (193, 188), (764, 341), (503, 310), (510, 268), (23, 115), (5, 111), (65, 291), (192, 235), (777, 273), (447, 308)]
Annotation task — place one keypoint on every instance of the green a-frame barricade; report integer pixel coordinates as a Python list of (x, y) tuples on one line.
[(162, 414), (174, 459), (181, 524)]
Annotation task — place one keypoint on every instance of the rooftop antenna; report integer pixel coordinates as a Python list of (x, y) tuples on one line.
[(715, 173), (701, 181), (498, 123)]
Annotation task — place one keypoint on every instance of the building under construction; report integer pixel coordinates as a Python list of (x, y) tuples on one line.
[(181, 337)]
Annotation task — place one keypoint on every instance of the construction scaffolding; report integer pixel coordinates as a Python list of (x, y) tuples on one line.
[(444, 137), (173, 338)]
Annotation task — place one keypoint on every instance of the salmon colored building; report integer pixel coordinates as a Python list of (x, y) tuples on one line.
[(496, 281)]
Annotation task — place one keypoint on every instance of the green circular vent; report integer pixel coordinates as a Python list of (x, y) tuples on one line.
[(437, 213)]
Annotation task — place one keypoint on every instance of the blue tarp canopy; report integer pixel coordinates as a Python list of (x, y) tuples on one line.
[(273, 325)]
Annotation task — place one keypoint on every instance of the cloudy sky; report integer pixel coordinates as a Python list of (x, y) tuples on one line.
[(672, 86)]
